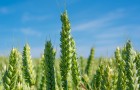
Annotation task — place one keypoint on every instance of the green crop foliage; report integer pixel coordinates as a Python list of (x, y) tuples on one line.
[(85, 83), (121, 80), (20, 80), (28, 72), (118, 72), (81, 65), (137, 61), (11, 74), (130, 67), (49, 56), (113, 80), (89, 67), (105, 83), (66, 53), (58, 80), (97, 78), (42, 74), (75, 69)]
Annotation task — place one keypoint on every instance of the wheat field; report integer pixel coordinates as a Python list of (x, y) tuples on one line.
[(20, 71)]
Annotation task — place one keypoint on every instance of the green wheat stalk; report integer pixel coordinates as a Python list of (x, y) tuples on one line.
[(49, 56)]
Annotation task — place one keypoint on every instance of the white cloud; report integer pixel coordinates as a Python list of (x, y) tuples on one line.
[(112, 32), (30, 32), (36, 51), (105, 51), (133, 32), (109, 35), (105, 42), (106, 20), (4, 10), (27, 17), (5, 52)]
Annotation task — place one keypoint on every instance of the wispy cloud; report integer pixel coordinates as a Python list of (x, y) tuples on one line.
[(105, 42), (36, 51), (5, 52), (4, 10), (28, 17), (133, 31), (106, 50), (30, 32), (109, 36), (106, 20), (112, 32)]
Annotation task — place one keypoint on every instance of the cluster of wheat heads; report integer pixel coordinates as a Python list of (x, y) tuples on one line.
[(121, 72)]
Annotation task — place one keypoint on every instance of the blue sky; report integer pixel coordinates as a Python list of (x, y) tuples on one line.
[(102, 24)]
